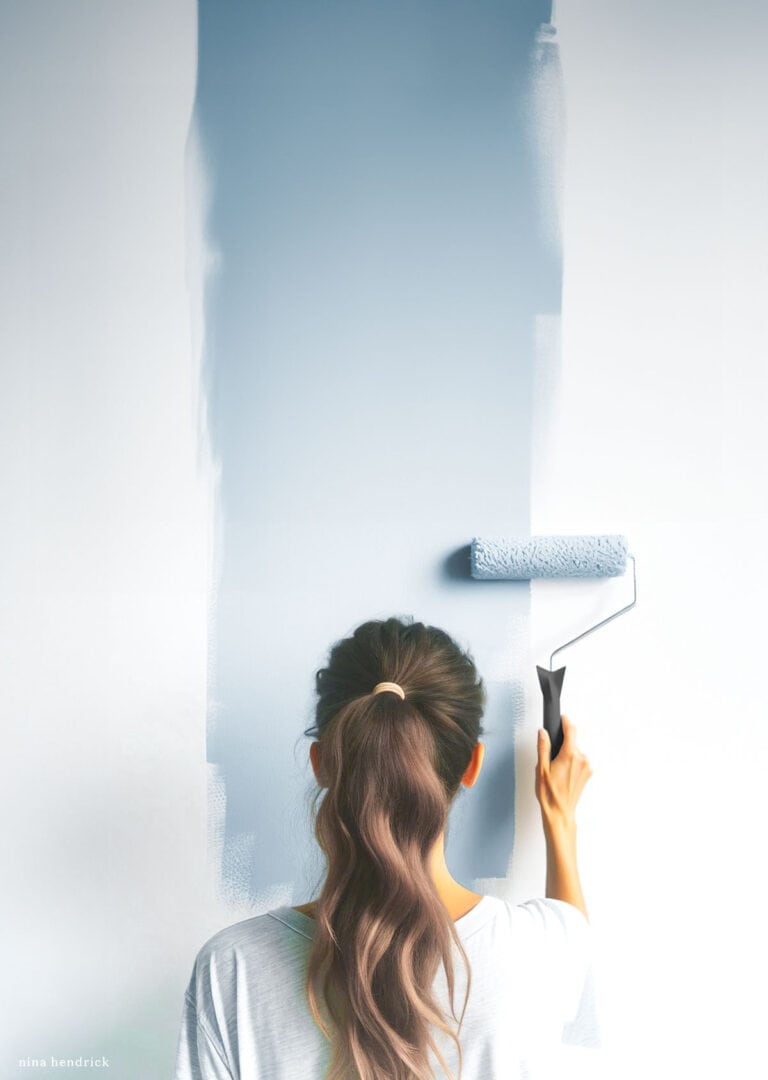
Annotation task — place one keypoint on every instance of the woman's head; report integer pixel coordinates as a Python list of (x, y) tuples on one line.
[(389, 769)]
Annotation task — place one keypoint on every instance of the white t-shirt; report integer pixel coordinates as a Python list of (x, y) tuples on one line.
[(246, 1016)]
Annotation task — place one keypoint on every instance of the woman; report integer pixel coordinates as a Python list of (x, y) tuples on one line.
[(358, 982)]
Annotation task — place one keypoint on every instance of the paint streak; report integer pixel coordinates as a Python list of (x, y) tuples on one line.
[(374, 211)]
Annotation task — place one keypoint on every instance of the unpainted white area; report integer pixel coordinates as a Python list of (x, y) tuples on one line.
[(106, 537), (657, 431)]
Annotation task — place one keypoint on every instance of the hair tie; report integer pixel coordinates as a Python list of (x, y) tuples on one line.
[(389, 686)]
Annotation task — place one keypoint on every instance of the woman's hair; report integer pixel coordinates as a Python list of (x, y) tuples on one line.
[(390, 769)]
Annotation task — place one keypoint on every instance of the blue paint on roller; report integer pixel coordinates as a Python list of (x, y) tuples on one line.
[(519, 558)]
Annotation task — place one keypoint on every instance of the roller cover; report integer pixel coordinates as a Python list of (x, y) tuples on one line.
[(519, 558)]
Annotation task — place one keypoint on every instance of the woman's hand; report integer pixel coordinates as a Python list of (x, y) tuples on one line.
[(559, 783)]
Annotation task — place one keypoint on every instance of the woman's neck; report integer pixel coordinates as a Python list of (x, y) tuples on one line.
[(457, 899)]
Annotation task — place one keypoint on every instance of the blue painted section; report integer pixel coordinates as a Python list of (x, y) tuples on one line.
[(368, 366)]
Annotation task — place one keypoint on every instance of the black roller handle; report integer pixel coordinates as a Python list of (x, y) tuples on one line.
[(551, 683)]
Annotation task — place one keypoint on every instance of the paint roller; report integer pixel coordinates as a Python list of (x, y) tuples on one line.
[(520, 558)]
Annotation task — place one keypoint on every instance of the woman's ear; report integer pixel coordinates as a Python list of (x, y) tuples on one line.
[(475, 764), (314, 757)]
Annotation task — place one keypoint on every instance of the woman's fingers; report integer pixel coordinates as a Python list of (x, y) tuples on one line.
[(569, 733), (544, 749), (559, 783)]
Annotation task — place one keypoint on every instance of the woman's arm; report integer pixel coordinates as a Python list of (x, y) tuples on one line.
[(559, 785), (562, 870)]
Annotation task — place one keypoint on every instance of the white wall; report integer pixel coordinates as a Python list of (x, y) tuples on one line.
[(105, 537), (658, 432)]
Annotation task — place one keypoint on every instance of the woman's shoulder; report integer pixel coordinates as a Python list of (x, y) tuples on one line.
[(550, 912), (529, 921), (237, 939)]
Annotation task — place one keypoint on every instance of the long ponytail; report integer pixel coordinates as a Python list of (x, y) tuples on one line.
[(390, 769)]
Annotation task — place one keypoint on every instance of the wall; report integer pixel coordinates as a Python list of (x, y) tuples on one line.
[(657, 432), (106, 538), (188, 353), (378, 230)]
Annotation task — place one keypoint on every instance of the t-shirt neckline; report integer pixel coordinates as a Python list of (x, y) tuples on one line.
[(465, 924)]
